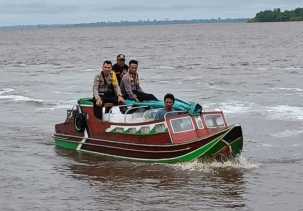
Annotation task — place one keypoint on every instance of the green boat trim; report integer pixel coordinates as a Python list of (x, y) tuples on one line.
[(66, 143), (71, 137), (191, 156), (209, 150)]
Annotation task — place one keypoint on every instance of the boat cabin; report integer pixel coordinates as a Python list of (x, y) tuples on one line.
[(180, 125)]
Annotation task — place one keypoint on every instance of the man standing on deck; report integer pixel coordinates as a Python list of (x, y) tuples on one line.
[(130, 86), (106, 89), (120, 68)]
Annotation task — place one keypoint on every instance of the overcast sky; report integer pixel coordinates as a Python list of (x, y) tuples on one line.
[(28, 12)]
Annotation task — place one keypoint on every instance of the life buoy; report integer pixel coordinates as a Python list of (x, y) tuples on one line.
[(80, 122)]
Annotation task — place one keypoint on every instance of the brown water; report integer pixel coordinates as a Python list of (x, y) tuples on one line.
[(253, 72)]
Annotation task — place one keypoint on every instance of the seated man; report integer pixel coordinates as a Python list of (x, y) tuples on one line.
[(130, 86), (120, 68), (169, 101), (106, 89)]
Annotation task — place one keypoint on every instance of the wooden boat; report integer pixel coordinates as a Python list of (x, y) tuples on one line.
[(184, 135)]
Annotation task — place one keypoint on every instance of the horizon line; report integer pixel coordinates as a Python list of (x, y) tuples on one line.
[(137, 22)]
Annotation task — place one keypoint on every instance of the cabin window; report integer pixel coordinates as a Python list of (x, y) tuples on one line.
[(131, 130), (144, 130), (182, 124), (159, 128), (214, 120), (118, 130), (199, 122)]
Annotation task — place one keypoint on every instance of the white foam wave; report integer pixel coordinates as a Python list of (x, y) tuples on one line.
[(266, 145), (166, 67), (293, 68), (287, 133), (89, 70), (285, 112), (60, 105), (232, 107), (20, 65), (262, 68), (20, 98), (289, 89), (66, 106), (16, 97), (238, 163), (279, 112), (6, 90), (235, 108), (163, 82), (63, 92)]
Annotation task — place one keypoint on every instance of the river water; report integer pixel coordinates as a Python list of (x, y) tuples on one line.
[(253, 72)]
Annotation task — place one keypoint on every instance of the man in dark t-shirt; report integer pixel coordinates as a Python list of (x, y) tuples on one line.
[(120, 68), (169, 101)]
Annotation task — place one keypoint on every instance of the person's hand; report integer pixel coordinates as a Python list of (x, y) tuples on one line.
[(121, 99), (136, 98), (99, 102)]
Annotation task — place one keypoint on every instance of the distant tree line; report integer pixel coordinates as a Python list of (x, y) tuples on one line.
[(277, 15)]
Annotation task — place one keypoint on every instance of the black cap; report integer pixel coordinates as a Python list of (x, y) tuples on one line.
[(121, 56)]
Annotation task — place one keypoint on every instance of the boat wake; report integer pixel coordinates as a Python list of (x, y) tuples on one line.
[(60, 105), (88, 70), (289, 89), (18, 98), (166, 67), (277, 112), (6, 90), (237, 163), (234, 107), (287, 133), (285, 112)]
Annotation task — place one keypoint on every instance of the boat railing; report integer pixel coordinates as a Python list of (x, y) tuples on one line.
[(132, 109), (124, 113), (150, 114)]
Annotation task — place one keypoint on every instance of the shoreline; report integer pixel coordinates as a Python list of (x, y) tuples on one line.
[(131, 23)]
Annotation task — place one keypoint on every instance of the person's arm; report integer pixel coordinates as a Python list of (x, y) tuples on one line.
[(96, 87), (139, 89), (127, 88), (117, 87), (116, 84), (96, 90)]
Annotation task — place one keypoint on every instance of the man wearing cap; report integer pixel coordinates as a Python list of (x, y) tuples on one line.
[(120, 68), (130, 86), (106, 89)]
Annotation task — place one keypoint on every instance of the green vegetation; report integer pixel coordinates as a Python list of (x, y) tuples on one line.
[(277, 15)]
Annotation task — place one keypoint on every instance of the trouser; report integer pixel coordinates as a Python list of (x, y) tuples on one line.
[(107, 97), (142, 96)]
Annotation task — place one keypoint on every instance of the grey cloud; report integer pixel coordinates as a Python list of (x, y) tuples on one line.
[(56, 6), (67, 11), (36, 8)]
